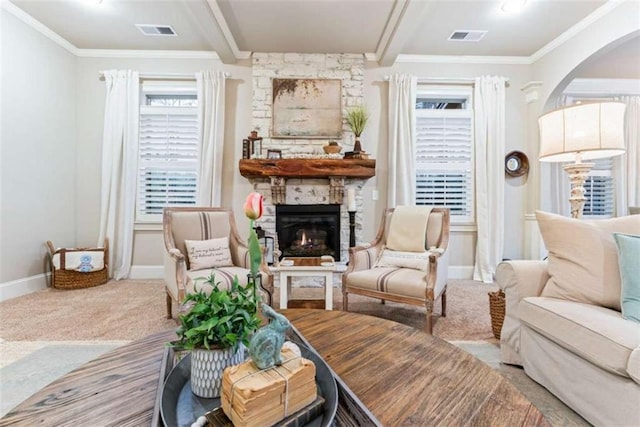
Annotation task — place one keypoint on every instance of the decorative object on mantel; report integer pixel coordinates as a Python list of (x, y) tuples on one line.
[(332, 147), (307, 108), (357, 118), (252, 146)]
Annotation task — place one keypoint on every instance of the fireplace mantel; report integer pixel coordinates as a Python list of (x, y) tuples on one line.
[(336, 170), (307, 168)]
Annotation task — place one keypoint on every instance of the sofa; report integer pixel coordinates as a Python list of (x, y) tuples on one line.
[(564, 326)]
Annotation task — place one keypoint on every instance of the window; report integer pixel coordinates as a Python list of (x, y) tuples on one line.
[(168, 150), (444, 151), (599, 190)]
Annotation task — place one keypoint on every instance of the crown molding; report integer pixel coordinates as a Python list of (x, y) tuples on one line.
[(155, 54), (244, 54), (470, 59), (577, 28), (38, 26)]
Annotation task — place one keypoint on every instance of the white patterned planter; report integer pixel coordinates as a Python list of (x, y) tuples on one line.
[(207, 367)]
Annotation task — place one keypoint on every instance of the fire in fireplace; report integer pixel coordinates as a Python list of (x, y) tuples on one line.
[(308, 230)]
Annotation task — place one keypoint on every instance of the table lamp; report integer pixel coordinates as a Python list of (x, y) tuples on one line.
[(580, 132)]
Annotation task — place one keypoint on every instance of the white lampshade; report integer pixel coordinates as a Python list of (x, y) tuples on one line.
[(595, 130)]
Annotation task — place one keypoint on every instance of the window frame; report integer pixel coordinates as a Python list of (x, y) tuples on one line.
[(163, 88), (456, 93)]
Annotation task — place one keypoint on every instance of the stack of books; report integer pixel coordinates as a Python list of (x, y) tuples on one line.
[(254, 397)]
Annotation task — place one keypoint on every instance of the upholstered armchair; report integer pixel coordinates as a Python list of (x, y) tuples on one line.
[(373, 272), (199, 224)]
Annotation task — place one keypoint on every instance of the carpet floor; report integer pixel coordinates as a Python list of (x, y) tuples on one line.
[(132, 309), (79, 325)]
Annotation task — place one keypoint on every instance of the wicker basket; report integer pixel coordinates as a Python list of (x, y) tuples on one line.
[(71, 279), (496, 308)]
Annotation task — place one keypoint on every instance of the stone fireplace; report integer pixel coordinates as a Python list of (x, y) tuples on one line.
[(308, 230), (323, 183)]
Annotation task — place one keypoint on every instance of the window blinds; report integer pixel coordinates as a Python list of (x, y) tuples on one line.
[(599, 190), (168, 161), (444, 159)]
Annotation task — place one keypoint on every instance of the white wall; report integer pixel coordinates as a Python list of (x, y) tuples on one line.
[(38, 149)]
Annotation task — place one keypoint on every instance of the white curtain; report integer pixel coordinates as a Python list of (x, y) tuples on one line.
[(489, 110), (211, 90), (119, 168), (402, 140), (627, 166)]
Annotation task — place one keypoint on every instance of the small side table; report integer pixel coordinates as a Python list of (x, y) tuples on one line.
[(306, 267)]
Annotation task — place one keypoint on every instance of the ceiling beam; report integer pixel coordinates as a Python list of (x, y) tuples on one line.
[(406, 17), (207, 17)]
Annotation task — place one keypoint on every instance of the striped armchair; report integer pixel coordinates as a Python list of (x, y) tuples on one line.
[(406, 285), (199, 223)]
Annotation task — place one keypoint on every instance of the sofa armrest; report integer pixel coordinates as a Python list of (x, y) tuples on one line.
[(517, 279)]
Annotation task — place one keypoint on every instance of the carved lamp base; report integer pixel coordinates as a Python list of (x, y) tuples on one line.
[(578, 173)]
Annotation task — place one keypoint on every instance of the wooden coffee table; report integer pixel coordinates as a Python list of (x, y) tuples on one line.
[(402, 375)]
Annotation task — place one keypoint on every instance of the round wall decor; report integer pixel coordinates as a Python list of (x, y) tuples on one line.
[(516, 163)]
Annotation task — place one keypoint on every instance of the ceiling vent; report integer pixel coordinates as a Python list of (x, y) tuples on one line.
[(156, 30), (467, 35)]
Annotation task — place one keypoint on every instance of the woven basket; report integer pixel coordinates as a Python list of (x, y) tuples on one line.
[(496, 309), (71, 279)]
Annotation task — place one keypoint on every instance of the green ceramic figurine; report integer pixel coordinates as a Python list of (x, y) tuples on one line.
[(265, 345)]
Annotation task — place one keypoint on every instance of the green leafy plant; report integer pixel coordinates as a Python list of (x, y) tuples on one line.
[(221, 319), (357, 118)]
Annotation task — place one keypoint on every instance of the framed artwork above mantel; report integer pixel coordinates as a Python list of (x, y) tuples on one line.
[(307, 108)]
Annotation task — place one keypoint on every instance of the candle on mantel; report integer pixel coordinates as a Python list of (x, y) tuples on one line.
[(351, 200)]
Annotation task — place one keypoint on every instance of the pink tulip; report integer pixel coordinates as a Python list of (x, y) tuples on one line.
[(253, 206)]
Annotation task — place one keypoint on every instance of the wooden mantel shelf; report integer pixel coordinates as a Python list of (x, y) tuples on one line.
[(307, 168)]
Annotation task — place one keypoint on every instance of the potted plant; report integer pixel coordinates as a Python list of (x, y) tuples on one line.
[(215, 329), (357, 118)]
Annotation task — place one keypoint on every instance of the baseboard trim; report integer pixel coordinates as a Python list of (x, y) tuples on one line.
[(24, 286), (460, 272), (147, 272)]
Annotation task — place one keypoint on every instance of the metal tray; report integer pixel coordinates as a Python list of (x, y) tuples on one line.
[(180, 407)]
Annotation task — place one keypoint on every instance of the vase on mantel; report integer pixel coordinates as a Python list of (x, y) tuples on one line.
[(357, 148)]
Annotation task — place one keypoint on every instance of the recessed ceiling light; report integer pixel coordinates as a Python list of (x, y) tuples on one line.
[(510, 6)]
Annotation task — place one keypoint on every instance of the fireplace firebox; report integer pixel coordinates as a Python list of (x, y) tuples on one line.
[(308, 230)]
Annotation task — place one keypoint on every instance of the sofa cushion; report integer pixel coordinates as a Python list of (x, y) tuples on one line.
[(597, 334), (629, 262), (399, 281), (583, 260)]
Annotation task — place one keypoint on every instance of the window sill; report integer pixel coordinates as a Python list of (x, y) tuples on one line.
[(147, 226), (464, 228)]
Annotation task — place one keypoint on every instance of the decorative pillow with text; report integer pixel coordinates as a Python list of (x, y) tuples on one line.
[(208, 253), (400, 259)]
